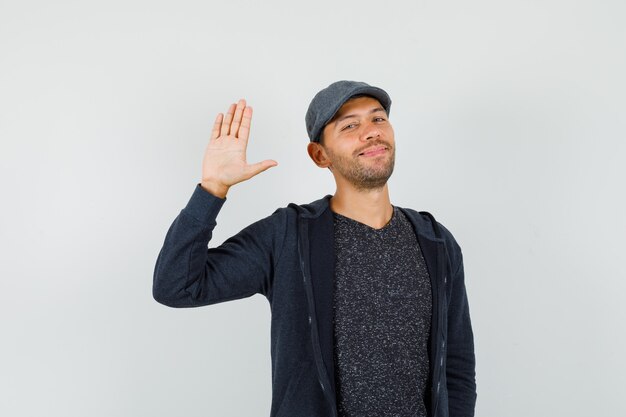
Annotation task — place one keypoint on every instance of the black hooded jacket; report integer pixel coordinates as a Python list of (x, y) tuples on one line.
[(288, 257)]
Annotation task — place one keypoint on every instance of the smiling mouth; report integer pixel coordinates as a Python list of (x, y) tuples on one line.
[(376, 150)]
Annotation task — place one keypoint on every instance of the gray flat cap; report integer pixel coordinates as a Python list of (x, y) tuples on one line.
[(326, 103)]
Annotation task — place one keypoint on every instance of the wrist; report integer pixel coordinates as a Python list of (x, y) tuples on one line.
[(218, 190)]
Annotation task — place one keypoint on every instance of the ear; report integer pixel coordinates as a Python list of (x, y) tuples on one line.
[(318, 154)]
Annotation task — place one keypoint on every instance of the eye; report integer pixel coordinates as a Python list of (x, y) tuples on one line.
[(380, 119), (347, 126)]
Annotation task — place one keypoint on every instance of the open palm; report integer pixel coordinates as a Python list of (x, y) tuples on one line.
[(224, 162)]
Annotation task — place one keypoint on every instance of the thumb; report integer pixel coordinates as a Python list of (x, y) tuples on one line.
[(254, 169)]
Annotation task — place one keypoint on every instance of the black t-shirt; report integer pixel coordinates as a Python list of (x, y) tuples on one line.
[(382, 312)]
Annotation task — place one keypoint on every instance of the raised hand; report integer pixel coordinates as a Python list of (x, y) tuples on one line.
[(224, 163)]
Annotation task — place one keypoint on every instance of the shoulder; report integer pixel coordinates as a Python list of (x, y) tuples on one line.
[(309, 210), (286, 217)]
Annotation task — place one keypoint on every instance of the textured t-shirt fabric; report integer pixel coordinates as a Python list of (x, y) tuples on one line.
[(382, 311)]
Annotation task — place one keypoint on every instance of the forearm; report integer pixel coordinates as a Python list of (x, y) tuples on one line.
[(185, 244)]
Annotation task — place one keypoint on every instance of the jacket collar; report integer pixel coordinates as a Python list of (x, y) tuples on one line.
[(316, 208)]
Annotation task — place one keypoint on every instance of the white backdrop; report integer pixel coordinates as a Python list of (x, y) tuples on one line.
[(510, 129)]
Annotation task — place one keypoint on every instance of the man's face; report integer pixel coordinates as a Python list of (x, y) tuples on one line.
[(359, 144)]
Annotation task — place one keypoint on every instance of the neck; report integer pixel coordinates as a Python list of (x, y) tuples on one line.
[(370, 207)]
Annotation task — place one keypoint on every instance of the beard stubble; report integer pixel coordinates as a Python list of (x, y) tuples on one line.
[(364, 176)]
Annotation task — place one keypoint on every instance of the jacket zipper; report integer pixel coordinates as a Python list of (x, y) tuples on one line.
[(303, 248)]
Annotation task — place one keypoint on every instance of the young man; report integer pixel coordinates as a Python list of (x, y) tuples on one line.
[(369, 309)]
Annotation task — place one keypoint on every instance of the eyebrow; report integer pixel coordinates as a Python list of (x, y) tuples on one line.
[(377, 109)]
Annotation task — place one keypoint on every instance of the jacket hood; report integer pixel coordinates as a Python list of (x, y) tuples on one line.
[(314, 209)]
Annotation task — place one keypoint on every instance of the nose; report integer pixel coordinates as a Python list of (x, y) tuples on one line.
[(371, 131)]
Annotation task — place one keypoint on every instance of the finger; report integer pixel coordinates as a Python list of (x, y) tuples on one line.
[(227, 119), (216, 126), (244, 129), (254, 169), (234, 127)]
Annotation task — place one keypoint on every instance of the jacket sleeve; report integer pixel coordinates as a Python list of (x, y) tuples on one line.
[(188, 274), (461, 364)]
